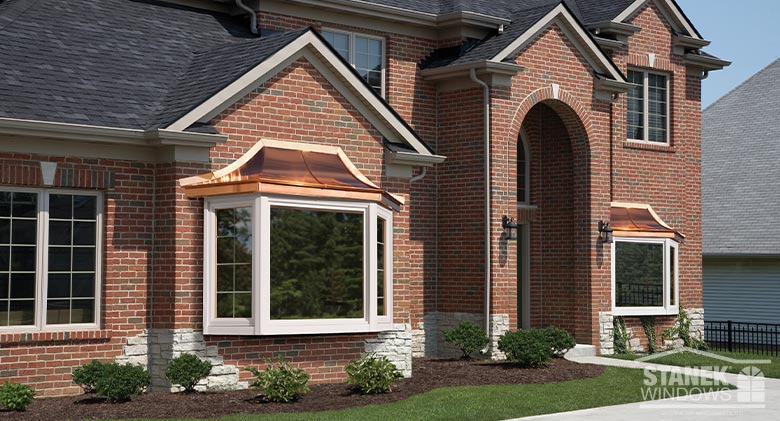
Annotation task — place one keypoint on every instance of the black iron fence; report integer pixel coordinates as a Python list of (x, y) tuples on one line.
[(639, 295), (759, 338)]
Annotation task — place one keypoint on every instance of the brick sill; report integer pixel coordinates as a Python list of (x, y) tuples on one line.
[(54, 337), (628, 144)]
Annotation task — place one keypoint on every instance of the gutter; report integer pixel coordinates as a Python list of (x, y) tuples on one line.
[(107, 135), (488, 195)]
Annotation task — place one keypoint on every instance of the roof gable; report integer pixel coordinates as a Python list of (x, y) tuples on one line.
[(309, 45), (671, 11)]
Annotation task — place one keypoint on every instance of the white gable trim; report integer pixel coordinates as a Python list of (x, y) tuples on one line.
[(574, 31), (309, 46), (671, 12)]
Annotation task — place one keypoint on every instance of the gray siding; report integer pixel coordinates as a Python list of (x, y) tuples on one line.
[(742, 290)]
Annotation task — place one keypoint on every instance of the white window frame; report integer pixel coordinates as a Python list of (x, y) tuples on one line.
[(351, 58), (261, 323), (42, 263), (667, 308), (646, 107)]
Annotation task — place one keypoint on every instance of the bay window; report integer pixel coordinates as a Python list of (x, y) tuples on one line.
[(644, 276), (49, 259), (279, 265)]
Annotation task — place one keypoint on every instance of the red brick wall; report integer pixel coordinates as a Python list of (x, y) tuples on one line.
[(46, 360)]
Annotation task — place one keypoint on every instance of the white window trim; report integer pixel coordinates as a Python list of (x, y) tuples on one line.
[(351, 58), (667, 308), (42, 263), (260, 323), (646, 114)]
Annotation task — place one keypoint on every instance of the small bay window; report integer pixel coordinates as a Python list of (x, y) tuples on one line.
[(644, 276)]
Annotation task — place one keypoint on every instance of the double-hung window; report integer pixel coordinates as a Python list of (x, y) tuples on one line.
[(365, 53), (49, 259), (282, 265), (648, 107), (644, 276)]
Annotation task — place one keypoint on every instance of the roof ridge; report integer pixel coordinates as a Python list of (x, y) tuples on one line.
[(745, 82)]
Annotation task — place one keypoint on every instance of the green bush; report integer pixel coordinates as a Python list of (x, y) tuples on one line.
[(118, 383), (187, 370), (280, 382), (620, 336), (560, 341), (468, 337), (527, 347), (372, 374), (15, 396), (86, 375)]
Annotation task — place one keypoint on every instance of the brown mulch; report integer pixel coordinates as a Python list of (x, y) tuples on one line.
[(428, 375)]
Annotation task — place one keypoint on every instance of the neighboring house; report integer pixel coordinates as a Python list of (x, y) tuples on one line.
[(740, 178), (171, 182)]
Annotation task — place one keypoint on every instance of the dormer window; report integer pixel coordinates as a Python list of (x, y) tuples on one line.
[(365, 53)]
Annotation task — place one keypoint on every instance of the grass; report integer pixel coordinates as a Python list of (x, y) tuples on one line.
[(495, 402), (689, 359)]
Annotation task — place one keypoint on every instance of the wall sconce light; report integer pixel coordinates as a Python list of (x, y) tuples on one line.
[(510, 227), (605, 232)]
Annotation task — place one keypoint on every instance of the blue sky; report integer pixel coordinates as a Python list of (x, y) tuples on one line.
[(745, 32)]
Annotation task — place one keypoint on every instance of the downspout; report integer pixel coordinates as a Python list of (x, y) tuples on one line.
[(252, 16), (419, 176), (488, 245)]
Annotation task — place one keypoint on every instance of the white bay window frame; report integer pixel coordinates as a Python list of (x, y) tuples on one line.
[(261, 323), (42, 263), (670, 254)]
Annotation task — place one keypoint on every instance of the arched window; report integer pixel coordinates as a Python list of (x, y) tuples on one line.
[(523, 171)]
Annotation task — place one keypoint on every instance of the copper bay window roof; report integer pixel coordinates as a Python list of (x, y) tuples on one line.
[(639, 220), (274, 167)]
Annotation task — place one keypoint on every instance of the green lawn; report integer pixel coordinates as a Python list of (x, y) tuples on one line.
[(616, 386), (689, 359)]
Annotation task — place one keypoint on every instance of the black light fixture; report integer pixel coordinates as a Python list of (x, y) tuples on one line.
[(510, 227), (605, 232)]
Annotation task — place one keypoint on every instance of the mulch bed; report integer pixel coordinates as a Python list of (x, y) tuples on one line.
[(428, 375)]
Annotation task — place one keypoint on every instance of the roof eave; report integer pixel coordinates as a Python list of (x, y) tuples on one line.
[(413, 159), (705, 63), (481, 66), (612, 27)]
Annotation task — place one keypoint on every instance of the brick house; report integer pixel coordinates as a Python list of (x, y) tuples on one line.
[(322, 178)]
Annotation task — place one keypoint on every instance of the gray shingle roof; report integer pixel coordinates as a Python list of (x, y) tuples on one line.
[(117, 63), (741, 170)]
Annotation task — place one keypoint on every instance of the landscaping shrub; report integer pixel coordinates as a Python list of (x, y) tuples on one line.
[(187, 370), (620, 336), (118, 383), (648, 324), (468, 337), (682, 330), (86, 375), (372, 374), (560, 341), (527, 347), (15, 396), (280, 382)]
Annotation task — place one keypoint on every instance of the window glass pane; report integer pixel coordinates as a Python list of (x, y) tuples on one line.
[(316, 264), (636, 116), (5, 204), (339, 41), (22, 285), (381, 251), (23, 258), (522, 194), (234, 262), (72, 259), (639, 274), (21, 313), (657, 108), (25, 205)]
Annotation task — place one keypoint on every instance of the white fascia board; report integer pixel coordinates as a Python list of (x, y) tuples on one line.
[(672, 11), (388, 123), (106, 135), (561, 15)]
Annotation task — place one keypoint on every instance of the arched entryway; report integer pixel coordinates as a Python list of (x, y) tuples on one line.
[(552, 199)]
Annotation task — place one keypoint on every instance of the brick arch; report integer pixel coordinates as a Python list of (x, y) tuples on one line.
[(560, 286), (568, 107)]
